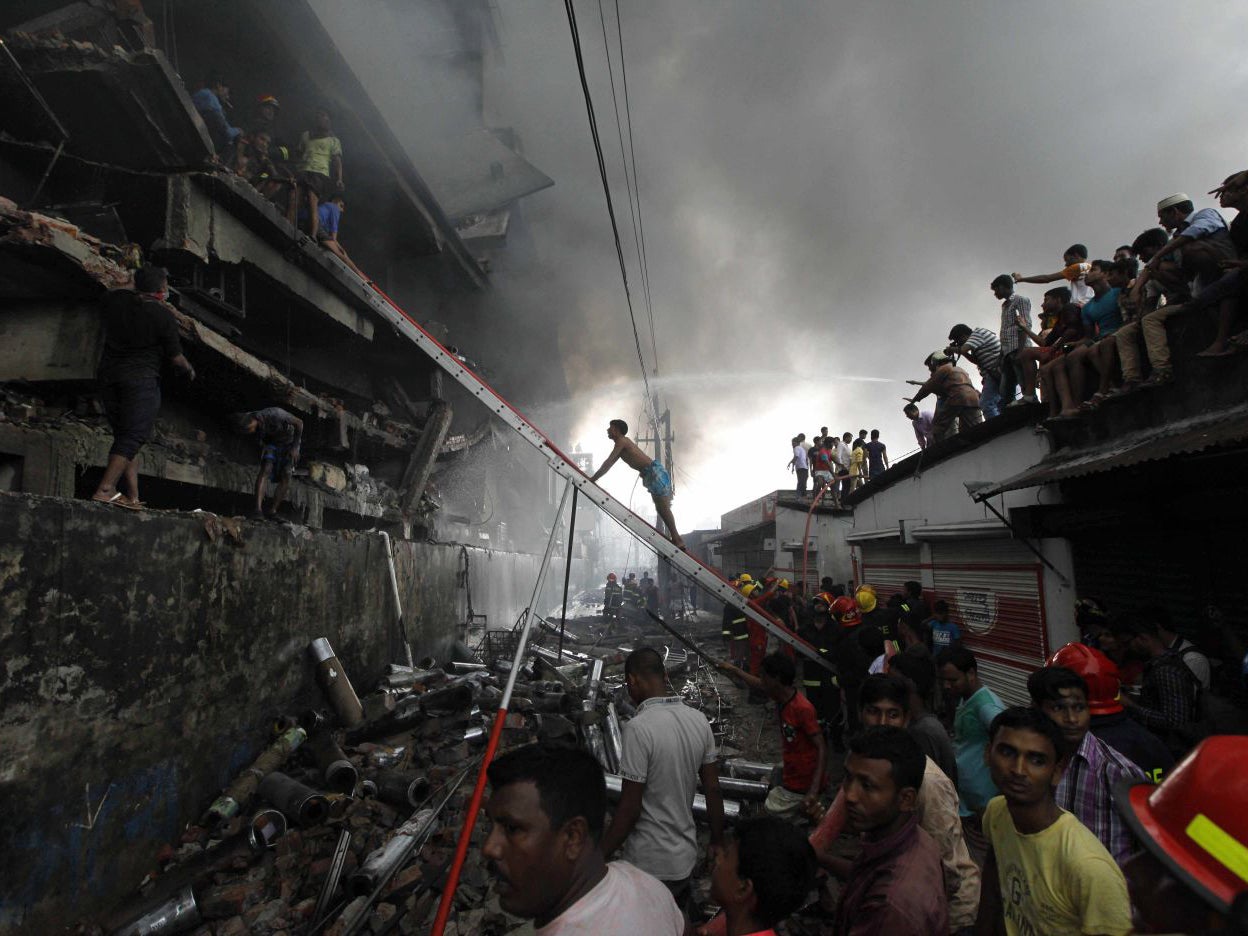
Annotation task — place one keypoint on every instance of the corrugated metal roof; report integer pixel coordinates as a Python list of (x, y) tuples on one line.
[(1185, 436)]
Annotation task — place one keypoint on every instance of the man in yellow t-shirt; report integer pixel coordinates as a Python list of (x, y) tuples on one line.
[(1046, 874), (319, 167)]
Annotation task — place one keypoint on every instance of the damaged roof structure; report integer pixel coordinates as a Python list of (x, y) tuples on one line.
[(105, 145)]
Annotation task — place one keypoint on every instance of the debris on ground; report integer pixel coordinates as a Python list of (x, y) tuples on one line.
[(347, 820)]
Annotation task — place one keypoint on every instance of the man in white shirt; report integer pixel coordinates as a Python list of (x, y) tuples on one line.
[(547, 804), (667, 748)]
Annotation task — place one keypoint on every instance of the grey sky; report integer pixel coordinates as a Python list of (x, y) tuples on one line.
[(827, 187)]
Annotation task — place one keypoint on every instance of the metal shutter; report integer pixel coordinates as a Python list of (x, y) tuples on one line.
[(993, 588), (887, 565)]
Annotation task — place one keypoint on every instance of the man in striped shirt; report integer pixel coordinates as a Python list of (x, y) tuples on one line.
[(983, 348), (1094, 769), (1013, 336)]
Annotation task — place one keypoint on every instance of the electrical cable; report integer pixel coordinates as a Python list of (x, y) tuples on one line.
[(606, 190), (634, 212), (628, 115)]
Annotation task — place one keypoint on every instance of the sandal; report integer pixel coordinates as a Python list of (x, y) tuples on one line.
[(115, 499), (1240, 340), (129, 503)]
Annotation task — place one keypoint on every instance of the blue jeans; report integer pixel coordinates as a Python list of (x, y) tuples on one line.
[(990, 397)]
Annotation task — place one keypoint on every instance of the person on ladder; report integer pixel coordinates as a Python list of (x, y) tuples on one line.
[(653, 475)]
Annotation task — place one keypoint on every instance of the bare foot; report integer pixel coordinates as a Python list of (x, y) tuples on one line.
[(1217, 349)]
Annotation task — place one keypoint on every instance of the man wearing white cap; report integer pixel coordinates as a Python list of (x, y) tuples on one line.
[(1203, 236)]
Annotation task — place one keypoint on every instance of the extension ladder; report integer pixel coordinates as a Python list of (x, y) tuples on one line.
[(704, 576)]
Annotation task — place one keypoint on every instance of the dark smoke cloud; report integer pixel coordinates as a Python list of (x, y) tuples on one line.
[(827, 187)]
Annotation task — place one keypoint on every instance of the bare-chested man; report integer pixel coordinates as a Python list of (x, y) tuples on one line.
[(653, 475)]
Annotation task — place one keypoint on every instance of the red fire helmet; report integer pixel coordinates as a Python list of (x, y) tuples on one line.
[(845, 610), (1194, 821), (1098, 671), (610, 576)]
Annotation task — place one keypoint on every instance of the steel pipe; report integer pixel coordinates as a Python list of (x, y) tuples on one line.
[(614, 738), (594, 683), (402, 788), (456, 667), (177, 914), (384, 861), (334, 683), (339, 773), (747, 770), (299, 803), (732, 808), (744, 789), (240, 792), (477, 735), (266, 827)]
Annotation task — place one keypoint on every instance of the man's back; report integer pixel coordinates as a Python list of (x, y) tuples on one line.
[(139, 333), (875, 455), (970, 729), (936, 744), (624, 903), (665, 745), (1060, 881), (1136, 742), (937, 810)]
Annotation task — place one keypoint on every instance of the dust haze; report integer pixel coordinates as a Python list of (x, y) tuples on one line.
[(826, 187)]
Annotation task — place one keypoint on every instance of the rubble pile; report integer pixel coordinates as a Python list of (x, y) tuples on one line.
[(347, 820)]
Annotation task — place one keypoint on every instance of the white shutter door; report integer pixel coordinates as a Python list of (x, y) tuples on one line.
[(994, 591), (887, 565)]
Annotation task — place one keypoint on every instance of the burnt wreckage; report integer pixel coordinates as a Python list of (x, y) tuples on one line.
[(124, 634)]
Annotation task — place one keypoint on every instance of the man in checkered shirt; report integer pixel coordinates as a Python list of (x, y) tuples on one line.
[(1094, 768), (1013, 338)]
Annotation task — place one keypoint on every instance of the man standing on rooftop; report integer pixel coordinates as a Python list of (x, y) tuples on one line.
[(1013, 334)]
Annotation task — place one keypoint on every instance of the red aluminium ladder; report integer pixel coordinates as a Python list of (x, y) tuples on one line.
[(563, 466)]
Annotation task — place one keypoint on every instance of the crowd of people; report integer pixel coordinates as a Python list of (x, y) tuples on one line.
[(837, 465), (1101, 333), (1097, 808), (304, 179)]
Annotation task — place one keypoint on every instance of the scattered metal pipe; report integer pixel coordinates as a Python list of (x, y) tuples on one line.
[(402, 789), (300, 803), (594, 683), (398, 602), (367, 788), (732, 808), (332, 879), (615, 739), (387, 859), (240, 792), (334, 683), (266, 827), (597, 746), (744, 789), (552, 656), (339, 773), (457, 667), (177, 914), (748, 770), (477, 735)]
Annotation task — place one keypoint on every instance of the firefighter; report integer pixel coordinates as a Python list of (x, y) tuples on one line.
[(611, 599), (848, 656), (1190, 876), (821, 685), (736, 633)]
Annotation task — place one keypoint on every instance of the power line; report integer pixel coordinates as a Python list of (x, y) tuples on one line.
[(628, 184), (628, 114), (606, 190)]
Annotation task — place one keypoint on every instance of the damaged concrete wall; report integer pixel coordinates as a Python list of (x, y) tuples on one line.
[(145, 654)]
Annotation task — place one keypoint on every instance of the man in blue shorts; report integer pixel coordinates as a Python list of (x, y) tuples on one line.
[(281, 435), (653, 475)]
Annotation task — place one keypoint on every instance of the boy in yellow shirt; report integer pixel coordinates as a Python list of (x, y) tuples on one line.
[(1046, 874)]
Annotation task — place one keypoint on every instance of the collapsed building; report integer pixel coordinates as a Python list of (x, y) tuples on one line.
[(145, 652)]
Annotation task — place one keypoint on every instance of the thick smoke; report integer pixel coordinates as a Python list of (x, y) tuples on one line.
[(826, 187)]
